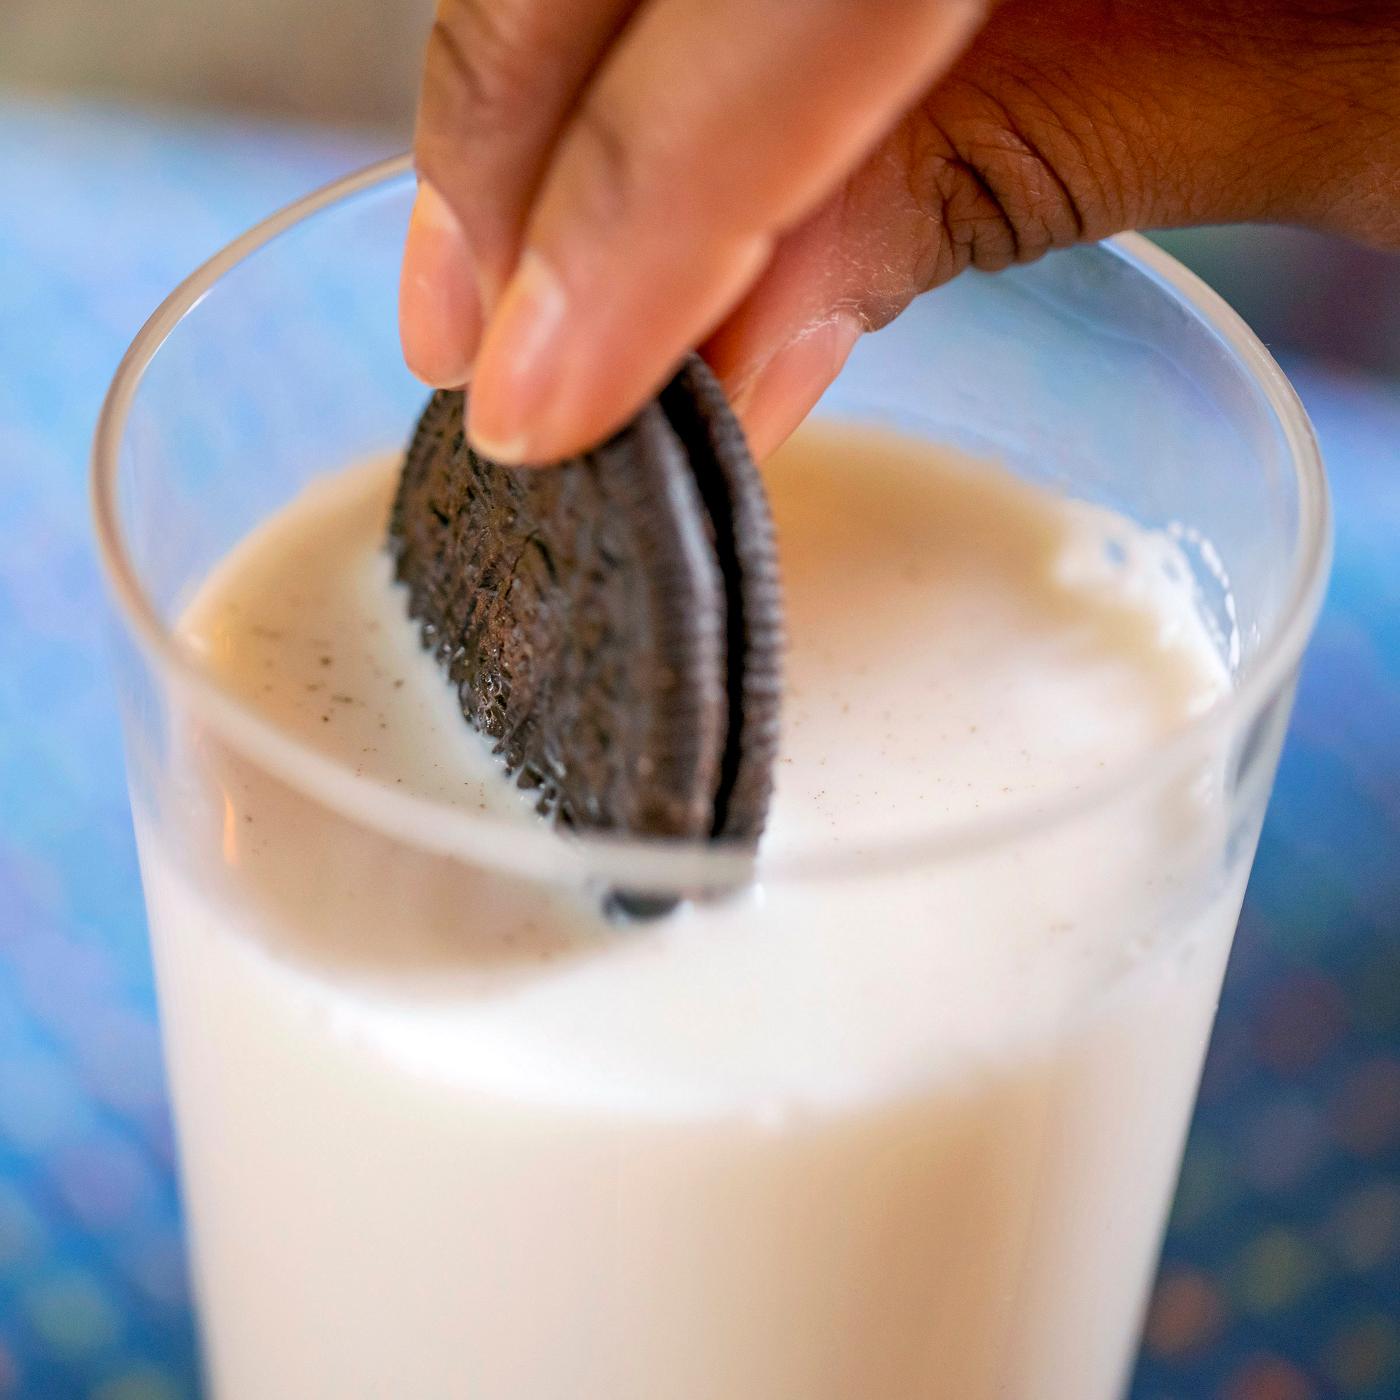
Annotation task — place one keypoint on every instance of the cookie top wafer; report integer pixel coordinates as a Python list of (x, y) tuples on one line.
[(613, 622)]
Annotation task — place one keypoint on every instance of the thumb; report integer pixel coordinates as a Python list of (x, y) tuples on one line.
[(1068, 123)]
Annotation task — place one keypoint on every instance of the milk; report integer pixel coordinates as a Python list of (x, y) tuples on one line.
[(888, 1125)]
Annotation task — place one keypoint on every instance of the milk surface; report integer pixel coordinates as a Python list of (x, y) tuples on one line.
[(869, 1131)]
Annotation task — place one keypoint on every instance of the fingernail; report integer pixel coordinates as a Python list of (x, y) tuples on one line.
[(439, 305), (522, 362), (776, 395)]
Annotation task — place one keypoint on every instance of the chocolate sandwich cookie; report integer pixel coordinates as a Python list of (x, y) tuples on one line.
[(613, 622)]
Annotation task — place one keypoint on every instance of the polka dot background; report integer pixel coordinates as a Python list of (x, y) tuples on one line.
[(1281, 1275)]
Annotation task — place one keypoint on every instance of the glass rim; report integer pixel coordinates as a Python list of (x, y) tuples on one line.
[(669, 864)]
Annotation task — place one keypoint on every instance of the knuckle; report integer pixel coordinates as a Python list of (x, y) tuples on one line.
[(965, 226), (991, 194)]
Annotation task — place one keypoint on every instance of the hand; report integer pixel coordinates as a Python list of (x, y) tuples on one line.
[(607, 183)]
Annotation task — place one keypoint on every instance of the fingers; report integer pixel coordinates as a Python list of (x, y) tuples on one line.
[(612, 181), (499, 79), (687, 156)]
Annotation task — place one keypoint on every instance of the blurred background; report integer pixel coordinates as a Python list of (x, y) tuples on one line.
[(136, 138)]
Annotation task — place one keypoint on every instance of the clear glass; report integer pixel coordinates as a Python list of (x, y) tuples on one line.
[(974, 1217)]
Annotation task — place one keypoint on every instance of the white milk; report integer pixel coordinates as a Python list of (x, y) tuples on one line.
[(899, 1136)]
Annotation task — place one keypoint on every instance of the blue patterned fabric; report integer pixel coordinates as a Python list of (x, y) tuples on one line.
[(1282, 1268)]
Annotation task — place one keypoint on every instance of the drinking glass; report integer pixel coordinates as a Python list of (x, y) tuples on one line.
[(387, 1198)]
